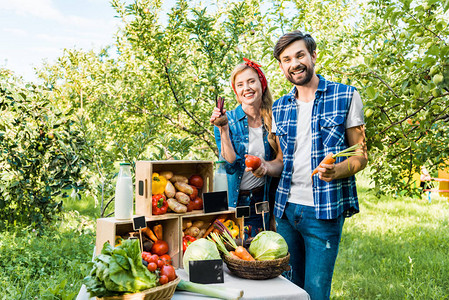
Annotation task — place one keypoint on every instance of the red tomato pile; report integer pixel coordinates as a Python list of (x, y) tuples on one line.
[(161, 265)]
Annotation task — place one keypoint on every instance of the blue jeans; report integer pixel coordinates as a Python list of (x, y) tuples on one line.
[(313, 246)]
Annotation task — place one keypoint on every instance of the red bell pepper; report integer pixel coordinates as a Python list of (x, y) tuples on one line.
[(186, 241), (160, 204)]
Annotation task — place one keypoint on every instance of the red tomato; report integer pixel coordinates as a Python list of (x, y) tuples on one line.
[(152, 267), (191, 206), (160, 263), (163, 279), (253, 162), (168, 271), (167, 259), (196, 180), (198, 203), (160, 247), (153, 258), (194, 194)]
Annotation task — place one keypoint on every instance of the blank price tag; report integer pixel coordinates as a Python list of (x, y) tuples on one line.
[(215, 201), (262, 207), (206, 271), (242, 211), (139, 223)]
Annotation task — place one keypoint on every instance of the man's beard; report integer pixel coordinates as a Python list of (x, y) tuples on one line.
[(303, 81)]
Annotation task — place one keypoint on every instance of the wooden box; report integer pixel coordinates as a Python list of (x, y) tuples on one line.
[(109, 228), (208, 220), (187, 168)]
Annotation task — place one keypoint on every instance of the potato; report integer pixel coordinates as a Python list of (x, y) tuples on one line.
[(186, 224), (170, 190), (192, 231), (182, 198), (184, 187), (202, 232), (198, 224), (176, 206), (167, 174), (180, 178)]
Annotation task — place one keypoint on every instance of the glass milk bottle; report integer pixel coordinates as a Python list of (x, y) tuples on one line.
[(124, 193), (220, 179)]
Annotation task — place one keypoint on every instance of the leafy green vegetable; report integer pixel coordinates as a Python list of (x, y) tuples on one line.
[(119, 270), (268, 245), (200, 249)]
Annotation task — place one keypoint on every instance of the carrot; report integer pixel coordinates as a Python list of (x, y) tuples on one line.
[(233, 255), (331, 158), (149, 233), (243, 254)]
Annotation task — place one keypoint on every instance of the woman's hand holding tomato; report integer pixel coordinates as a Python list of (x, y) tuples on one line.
[(256, 165)]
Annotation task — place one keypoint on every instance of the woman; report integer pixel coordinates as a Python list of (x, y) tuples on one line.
[(246, 130)]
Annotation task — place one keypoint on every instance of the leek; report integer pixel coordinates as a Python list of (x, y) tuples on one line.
[(211, 291)]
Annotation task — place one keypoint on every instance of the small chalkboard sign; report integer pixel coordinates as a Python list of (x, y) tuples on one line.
[(262, 207), (242, 212), (215, 201), (206, 271), (139, 223)]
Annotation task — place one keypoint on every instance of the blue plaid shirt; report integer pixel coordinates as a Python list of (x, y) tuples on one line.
[(330, 109)]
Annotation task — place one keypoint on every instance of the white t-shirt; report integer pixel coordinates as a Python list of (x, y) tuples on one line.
[(256, 148), (301, 191)]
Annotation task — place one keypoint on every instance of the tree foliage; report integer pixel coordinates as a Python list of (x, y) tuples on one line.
[(41, 155)]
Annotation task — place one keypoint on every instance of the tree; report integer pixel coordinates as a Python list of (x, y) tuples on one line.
[(41, 155)]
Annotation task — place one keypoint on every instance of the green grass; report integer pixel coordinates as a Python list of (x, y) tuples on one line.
[(395, 248)]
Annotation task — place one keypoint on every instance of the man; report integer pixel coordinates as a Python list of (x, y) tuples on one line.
[(317, 117)]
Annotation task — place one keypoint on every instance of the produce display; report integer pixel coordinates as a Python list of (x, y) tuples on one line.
[(175, 193)]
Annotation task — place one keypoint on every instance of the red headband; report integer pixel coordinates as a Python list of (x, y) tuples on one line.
[(256, 67)]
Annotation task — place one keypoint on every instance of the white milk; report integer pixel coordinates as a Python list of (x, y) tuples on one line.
[(124, 198)]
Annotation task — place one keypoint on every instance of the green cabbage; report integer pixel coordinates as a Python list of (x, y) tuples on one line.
[(200, 249), (268, 245)]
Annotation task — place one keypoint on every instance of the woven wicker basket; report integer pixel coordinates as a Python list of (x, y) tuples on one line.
[(265, 269), (163, 292)]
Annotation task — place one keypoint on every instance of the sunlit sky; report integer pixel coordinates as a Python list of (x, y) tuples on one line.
[(32, 31)]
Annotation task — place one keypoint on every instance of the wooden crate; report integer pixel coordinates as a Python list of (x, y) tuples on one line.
[(109, 228), (208, 219), (187, 168)]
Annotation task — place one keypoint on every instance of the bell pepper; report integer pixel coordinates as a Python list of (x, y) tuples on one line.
[(232, 227), (158, 184), (186, 241), (160, 204)]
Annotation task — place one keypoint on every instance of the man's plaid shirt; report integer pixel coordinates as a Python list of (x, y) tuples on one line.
[(330, 109)]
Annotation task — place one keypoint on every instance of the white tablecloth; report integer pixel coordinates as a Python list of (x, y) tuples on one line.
[(277, 288)]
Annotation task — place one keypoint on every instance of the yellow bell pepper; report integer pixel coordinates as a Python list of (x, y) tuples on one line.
[(232, 227), (158, 184)]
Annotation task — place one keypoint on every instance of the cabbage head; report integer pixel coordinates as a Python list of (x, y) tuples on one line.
[(268, 245), (200, 249)]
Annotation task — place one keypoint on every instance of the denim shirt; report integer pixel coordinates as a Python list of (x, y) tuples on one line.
[(239, 135), (330, 109)]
